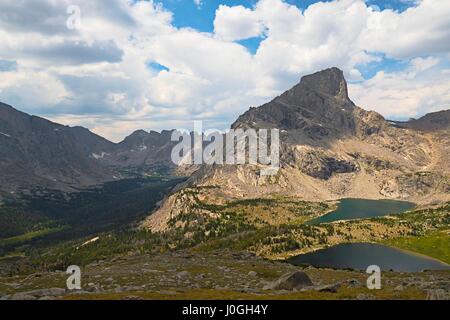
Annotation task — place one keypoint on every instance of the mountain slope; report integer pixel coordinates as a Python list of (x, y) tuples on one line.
[(428, 123), (315, 109), (330, 149), (144, 152), (37, 153)]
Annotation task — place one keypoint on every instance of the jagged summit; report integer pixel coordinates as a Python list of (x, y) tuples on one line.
[(139, 132), (318, 107), (430, 122), (140, 137), (326, 84), (36, 152), (329, 81), (329, 149)]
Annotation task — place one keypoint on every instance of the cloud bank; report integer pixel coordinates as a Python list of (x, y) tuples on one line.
[(103, 74)]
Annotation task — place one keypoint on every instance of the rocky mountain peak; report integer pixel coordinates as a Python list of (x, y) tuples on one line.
[(139, 133), (329, 81), (434, 121), (317, 108)]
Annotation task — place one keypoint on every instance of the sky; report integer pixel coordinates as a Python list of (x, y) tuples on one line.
[(116, 66)]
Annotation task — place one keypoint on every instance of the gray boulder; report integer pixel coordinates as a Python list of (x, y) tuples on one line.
[(363, 296), (329, 288), (39, 293), (22, 296), (47, 292), (437, 294), (183, 274), (290, 281), (354, 283), (133, 298)]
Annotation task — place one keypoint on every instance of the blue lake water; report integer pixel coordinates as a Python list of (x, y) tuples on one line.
[(349, 209), (361, 255)]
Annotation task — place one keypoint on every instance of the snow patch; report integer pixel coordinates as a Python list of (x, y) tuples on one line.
[(5, 134), (99, 156), (88, 242)]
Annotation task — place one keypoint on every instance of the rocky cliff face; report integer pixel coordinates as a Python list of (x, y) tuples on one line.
[(330, 149), (435, 121), (143, 152), (316, 109), (37, 153)]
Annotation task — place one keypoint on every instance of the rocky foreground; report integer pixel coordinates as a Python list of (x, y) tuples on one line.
[(220, 275)]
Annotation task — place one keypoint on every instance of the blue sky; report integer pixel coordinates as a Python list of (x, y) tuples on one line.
[(201, 17), (186, 13), (161, 64)]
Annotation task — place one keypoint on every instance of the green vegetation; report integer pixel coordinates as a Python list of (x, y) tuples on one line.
[(112, 204), (279, 239), (214, 294), (221, 274), (435, 245), (245, 224), (273, 228), (18, 219), (109, 245), (50, 230), (46, 216), (223, 228), (282, 240), (30, 236), (227, 227)]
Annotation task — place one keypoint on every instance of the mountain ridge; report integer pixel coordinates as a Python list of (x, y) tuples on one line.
[(318, 122), (40, 154), (330, 149)]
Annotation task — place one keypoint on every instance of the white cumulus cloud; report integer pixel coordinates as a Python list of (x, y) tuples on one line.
[(103, 75)]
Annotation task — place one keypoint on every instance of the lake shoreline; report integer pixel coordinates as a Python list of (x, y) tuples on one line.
[(405, 259), (358, 208)]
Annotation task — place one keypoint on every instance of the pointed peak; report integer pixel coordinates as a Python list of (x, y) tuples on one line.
[(329, 81), (139, 133)]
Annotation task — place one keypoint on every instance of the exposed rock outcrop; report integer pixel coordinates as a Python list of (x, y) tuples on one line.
[(291, 281), (331, 149), (36, 152)]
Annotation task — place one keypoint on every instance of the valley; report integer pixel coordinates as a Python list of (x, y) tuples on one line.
[(47, 217), (238, 262), (140, 227)]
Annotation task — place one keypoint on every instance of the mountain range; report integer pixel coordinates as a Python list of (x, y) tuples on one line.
[(330, 148), (40, 154)]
